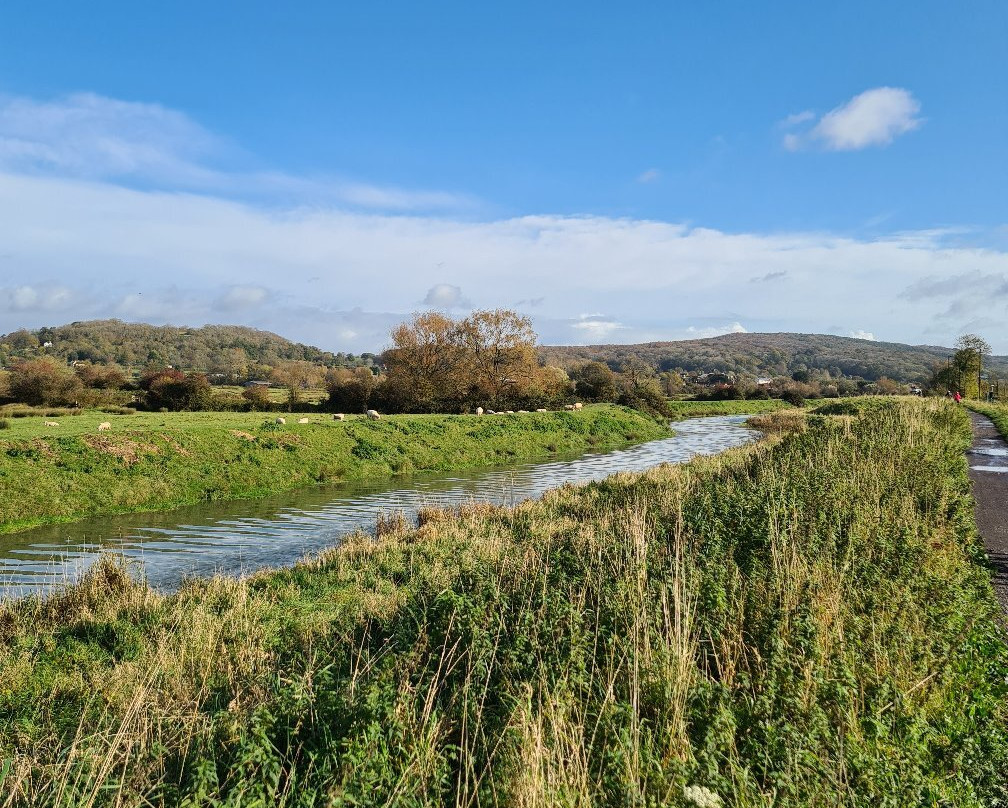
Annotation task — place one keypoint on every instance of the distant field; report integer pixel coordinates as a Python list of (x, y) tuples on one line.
[(277, 395), (698, 409), (157, 461)]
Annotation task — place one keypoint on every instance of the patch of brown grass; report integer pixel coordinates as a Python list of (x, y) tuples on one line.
[(126, 449)]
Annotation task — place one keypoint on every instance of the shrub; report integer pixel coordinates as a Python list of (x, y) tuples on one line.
[(43, 381), (4, 423), (257, 397)]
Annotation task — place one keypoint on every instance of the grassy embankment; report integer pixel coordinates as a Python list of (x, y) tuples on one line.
[(157, 461), (698, 409), (802, 622), (998, 413)]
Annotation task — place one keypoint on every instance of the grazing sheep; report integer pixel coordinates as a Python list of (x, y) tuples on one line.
[(479, 410), (542, 409), (339, 416), (304, 420), (490, 412), (52, 423), (569, 407), (525, 411), (374, 415), (281, 420), (577, 405), (104, 425), (509, 412)]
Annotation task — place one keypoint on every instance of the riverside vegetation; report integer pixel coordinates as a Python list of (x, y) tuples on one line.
[(157, 461), (806, 621)]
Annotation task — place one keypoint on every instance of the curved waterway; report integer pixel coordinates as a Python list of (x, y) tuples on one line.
[(242, 536)]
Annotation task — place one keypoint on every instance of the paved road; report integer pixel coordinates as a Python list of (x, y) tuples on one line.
[(988, 459)]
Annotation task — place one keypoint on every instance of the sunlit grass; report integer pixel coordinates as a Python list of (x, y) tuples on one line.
[(155, 461), (801, 622)]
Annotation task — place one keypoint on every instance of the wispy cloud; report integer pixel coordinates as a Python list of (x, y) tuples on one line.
[(770, 276), (93, 137), (873, 118), (862, 334), (651, 175)]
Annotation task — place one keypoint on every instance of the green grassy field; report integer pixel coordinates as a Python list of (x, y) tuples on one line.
[(698, 409), (278, 395), (156, 461), (802, 622)]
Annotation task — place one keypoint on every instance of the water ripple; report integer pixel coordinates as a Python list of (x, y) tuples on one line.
[(240, 537)]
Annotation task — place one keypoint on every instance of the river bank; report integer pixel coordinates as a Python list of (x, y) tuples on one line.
[(159, 461), (237, 537), (804, 621)]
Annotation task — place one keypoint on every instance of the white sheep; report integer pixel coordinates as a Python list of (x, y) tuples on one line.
[(52, 423), (542, 409), (304, 420), (339, 416), (104, 425), (569, 407), (577, 405), (374, 415), (281, 420), (479, 410)]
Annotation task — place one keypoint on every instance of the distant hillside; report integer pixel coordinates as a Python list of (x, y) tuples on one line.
[(136, 345), (776, 355)]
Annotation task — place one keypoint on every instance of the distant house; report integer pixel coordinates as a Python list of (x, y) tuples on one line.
[(257, 383), (763, 381)]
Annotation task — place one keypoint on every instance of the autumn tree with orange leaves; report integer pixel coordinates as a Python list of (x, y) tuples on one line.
[(488, 359)]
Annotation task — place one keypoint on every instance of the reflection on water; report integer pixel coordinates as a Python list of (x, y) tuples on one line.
[(240, 537)]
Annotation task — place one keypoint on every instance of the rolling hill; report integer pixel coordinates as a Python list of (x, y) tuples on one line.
[(776, 355), (213, 347), (136, 345)]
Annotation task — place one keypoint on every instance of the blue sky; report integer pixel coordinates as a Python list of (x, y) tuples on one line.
[(619, 172)]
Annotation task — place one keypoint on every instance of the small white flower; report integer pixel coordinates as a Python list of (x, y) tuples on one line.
[(702, 797)]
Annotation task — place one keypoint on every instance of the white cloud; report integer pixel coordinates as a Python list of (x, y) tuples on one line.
[(798, 118), (862, 334), (446, 296), (716, 330), (240, 298), (596, 327), (651, 175), (321, 275), (90, 136), (39, 298), (873, 118)]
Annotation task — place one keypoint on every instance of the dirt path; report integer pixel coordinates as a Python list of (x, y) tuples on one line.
[(988, 459)]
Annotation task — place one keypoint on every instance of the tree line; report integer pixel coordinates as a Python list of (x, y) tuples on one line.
[(435, 363)]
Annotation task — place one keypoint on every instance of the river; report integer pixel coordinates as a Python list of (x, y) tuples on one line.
[(242, 536)]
